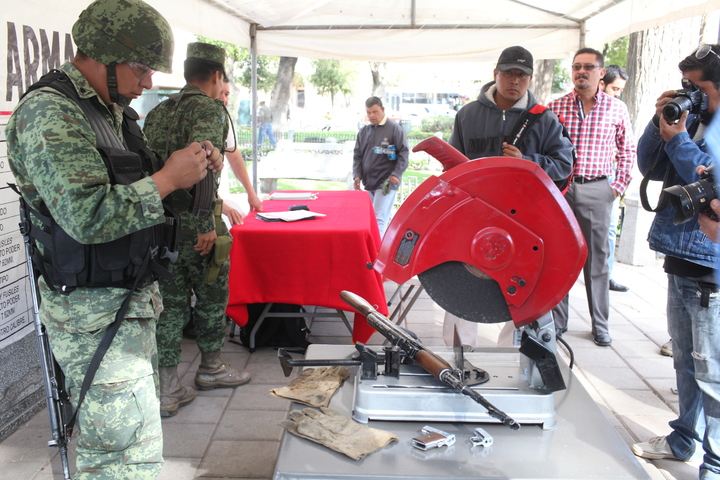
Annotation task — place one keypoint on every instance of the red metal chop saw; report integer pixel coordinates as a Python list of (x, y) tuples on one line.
[(491, 240)]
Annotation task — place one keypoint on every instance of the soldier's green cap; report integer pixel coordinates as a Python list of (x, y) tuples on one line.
[(118, 31), (206, 51)]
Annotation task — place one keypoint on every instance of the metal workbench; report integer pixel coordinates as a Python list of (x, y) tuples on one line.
[(582, 446)]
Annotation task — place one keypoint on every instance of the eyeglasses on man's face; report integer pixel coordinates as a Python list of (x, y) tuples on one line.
[(588, 67), (140, 71)]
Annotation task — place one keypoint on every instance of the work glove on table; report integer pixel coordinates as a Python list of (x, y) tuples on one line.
[(314, 386), (337, 432)]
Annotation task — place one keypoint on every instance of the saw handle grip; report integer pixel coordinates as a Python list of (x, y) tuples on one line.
[(443, 152)]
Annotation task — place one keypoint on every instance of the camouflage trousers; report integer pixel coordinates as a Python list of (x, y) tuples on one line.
[(119, 422), (210, 302)]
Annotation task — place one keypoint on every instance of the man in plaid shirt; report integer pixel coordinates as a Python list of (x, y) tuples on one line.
[(599, 125)]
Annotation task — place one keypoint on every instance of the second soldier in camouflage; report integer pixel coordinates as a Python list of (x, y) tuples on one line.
[(194, 114)]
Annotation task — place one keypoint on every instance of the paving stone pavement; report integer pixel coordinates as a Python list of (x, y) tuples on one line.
[(233, 434)]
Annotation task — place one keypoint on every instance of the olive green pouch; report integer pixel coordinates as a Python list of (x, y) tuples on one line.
[(221, 250)]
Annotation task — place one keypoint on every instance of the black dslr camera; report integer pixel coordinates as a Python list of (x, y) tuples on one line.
[(690, 200), (689, 98)]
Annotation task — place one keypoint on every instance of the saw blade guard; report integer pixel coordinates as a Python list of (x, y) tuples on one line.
[(500, 218)]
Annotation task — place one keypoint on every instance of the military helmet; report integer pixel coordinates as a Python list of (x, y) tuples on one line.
[(117, 31)]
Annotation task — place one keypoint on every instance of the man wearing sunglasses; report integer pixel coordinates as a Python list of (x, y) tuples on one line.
[(82, 172), (601, 131), (673, 151)]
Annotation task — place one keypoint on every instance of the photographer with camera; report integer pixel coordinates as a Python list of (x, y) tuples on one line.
[(671, 148)]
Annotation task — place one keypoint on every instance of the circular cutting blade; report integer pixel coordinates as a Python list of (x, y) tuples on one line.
[(466, 292)]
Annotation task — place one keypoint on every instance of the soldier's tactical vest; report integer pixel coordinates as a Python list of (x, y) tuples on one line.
[(134, 259)]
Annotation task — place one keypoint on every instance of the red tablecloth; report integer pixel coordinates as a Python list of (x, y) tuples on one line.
[(311, 261)]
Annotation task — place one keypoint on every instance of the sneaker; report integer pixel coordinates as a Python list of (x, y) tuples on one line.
[(656, 448), (666, 349)]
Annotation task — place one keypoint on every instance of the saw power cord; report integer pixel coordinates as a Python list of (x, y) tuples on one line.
[(568, 349)]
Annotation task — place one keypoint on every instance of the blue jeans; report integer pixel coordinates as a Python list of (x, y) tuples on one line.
[(383, 205), (695, 333), (266, 129)]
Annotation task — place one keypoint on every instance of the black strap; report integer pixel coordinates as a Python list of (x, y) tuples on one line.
[(521, 128), (664, 199), (104, 345), (526, 120)]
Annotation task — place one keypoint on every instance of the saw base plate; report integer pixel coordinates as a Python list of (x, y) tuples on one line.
[(417, 396)]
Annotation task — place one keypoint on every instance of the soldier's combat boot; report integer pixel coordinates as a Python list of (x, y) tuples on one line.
[(173, 395), (214, 373)]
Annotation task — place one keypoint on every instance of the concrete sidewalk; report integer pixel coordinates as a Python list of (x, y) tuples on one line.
[(234, 434)]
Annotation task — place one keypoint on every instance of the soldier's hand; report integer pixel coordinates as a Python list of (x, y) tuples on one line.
[(214, 157), (255, 202), (235, 216), (183, 169), (205, 242), (511, 151)]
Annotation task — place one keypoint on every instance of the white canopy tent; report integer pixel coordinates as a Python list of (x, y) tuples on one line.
[(421, 30), (378, 30)]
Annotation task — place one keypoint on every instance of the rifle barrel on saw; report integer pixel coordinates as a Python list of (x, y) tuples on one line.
[(55, 395), (429, 361)]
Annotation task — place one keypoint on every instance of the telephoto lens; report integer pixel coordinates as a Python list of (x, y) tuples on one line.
[(674, 109), (690, 98), (689, 200)]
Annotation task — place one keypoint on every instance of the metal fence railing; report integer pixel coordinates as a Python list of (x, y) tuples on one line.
[(245, 137)]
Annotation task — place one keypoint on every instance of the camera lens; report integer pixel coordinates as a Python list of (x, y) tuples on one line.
[(689, 200), (674, 109)]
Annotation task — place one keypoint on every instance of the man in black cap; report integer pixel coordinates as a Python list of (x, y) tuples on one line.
[(487, 127)]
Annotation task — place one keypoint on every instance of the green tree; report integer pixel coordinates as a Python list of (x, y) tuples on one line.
[(561, 78), (615, 52), (239, 66), (331, 77)]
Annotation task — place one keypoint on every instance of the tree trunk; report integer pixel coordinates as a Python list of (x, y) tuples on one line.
[(281, 93), (378, 71), (542, 81)]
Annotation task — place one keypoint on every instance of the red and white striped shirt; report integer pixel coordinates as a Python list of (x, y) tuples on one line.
[(599, 136)]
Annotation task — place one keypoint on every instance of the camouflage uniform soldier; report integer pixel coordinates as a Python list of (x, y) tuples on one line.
[(53, 155), (192, 114)]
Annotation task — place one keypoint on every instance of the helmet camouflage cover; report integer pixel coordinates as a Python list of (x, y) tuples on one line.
[(117, 31)]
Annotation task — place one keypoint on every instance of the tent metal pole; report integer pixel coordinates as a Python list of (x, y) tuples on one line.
[(254, 103)]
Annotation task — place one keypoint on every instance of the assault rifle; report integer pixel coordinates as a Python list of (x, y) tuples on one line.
[(431, 362), (58, 401)]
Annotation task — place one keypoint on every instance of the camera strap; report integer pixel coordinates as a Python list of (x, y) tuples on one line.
[(664, 199), (522, 128)]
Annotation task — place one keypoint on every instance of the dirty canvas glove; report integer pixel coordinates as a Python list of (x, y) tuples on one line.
[(314, 386), (337, 432), (387, 184)]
